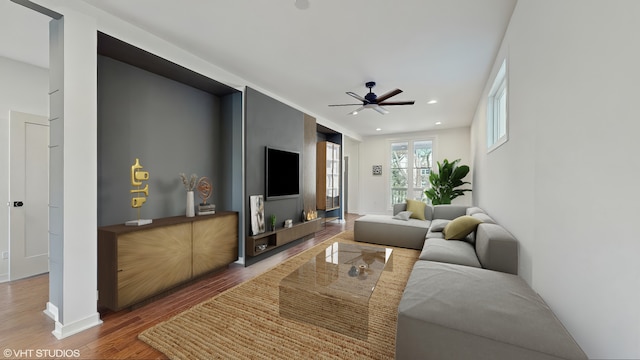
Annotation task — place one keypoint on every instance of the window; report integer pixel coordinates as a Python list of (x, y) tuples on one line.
[(497, 129), (410, 168)]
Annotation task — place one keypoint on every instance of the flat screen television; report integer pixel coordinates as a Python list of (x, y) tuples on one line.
[(282, 173)]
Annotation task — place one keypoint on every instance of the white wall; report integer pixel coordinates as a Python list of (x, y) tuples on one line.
[(564, 182), (351, 149), (374, 190), (23, 88)]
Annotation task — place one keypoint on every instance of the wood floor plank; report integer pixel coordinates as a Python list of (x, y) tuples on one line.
[(24, 326)]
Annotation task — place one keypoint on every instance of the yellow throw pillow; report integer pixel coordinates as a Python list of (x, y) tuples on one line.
[(460, 227), (417, 209)]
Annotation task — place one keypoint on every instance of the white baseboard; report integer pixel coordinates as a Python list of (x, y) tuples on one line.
[(51, 311), (64, 330)]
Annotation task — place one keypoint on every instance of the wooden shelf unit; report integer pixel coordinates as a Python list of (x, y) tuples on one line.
[(328, 176), (281, 236), (136, 263)]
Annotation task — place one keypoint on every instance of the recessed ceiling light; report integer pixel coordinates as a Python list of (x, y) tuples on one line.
[(431, 102), (438, 122), (378, 129)]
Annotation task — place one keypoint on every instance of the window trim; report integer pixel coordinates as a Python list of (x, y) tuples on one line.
[(410, 140), (500, 87)]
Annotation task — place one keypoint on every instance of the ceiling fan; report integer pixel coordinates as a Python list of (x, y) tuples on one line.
[(372, 101)]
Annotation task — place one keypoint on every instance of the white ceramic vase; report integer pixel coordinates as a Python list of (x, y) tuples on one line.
[(191, 211)]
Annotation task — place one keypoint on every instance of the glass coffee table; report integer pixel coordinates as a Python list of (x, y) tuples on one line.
[(332, 290)]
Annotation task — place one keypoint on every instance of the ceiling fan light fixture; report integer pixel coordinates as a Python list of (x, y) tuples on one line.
[(302, 4), (373, 102)]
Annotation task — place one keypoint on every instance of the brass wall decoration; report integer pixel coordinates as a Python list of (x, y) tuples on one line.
[(137, 178), (205, 189)]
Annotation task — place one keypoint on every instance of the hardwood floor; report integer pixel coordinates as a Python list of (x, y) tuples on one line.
[(25, 329)]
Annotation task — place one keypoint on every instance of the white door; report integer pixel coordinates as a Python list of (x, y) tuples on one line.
[(28, 195)]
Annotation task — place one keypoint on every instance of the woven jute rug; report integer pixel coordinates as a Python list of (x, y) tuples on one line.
[(244, 322)]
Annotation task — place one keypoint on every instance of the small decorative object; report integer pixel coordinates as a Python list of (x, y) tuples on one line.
[(353, 271), (137, 177), (304, 216), (362, 269), (189, 185), (205, 188), (261, 247), (288, 223), (311, 215), (377, 170), (362, 272), (190, 210), (257, 214), (273, 222)]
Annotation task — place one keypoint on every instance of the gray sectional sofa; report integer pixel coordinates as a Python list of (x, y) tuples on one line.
[(463, 299)]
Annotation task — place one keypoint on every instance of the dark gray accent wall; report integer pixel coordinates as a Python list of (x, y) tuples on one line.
[(270, 123), (169, 126), (231, 146)]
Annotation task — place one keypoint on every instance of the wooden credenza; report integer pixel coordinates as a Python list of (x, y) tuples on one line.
[(280, 236), (139, 262)]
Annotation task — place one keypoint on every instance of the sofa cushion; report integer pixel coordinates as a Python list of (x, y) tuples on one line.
[(474, 210), (449, 251), (417, 209), (448, 212), (457, 312), (438, 225), (496, 248), (460, 227), (384, 230), (484, 218), (403, 215)]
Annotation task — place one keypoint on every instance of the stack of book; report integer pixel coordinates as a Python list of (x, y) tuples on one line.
[(206, 209)]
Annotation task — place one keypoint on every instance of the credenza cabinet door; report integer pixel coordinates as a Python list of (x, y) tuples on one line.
[(151, 261), (215, 243)]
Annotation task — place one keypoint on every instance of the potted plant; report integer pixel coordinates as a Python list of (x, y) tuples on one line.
[(273, 222), (445, 181)]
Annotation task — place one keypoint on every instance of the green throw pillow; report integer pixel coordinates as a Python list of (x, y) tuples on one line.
[(417, 209), (460, 227)]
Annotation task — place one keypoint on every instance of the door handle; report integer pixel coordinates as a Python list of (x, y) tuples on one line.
[(18, 204)]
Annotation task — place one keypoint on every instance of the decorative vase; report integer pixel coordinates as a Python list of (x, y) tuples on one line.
[(191, 212)]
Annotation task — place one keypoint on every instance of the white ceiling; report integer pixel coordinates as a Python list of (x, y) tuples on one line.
[(24, 34), (431, 49)]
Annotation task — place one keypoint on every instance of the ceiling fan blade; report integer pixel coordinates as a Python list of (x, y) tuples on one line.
[(356, 111), (345, 104), (388, 95), (357, 97), (381, 110), (397, 103)]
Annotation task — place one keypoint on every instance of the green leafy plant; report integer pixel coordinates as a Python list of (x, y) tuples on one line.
[(445, 181), (273, 222)]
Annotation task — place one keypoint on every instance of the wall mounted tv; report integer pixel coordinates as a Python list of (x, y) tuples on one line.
[(282, 173)]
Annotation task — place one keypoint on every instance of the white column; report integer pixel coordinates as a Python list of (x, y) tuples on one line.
[(73, 188)]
